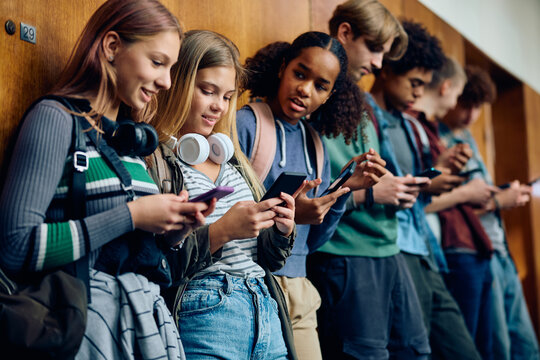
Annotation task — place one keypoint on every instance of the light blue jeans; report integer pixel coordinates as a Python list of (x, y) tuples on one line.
[(227, 317), (513, 333)]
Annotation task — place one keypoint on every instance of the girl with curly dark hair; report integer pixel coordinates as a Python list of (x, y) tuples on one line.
[(306, 79)]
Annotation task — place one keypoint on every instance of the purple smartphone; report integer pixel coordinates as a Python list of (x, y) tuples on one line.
[(217, 193)]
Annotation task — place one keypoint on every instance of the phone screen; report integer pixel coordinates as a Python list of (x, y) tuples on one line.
[(217, 193), (287, 182), (341, 179)]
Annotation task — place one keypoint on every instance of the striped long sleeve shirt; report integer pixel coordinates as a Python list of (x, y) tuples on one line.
[(35, 230)]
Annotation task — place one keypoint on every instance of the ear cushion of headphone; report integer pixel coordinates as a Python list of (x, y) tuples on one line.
[(221, 148), (123, 138), (148, 140), (193, 149)]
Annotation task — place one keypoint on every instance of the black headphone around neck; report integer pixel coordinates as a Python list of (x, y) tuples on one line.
[(133, 139)]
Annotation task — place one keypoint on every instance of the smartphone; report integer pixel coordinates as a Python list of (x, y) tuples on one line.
[(507, 185), (343, 176), (217, 193), (531, 183), (429, 173), (469, 172), (287, 182)]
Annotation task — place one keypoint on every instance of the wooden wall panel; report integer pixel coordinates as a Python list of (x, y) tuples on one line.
[(532, 118), (483, 128), (482, 131), (395, 6), (413, 10), (250, 24), (532, 284), (512, 162), (509, 127), (451, 40), (321, 12), (28, 70)]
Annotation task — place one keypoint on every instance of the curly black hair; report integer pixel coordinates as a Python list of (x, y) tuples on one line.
[(479, 88), (341, 114), (423, 51)]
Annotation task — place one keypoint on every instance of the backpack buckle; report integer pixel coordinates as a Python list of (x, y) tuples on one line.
[(80, 161), (128, 189)]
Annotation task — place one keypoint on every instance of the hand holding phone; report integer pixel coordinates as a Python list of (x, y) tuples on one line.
[(287, 182), (218, 192), (530, 183), (429, 173), (341, 179)]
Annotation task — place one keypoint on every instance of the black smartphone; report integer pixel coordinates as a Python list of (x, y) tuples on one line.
[(287, 182), (429, 173), (217, 192), (343, 176), (469, 172)]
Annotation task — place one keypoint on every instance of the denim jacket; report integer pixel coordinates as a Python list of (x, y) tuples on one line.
[(414, 235)]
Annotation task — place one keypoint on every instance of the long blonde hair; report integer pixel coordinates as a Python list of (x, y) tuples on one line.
[(88, 71), (203, 49)]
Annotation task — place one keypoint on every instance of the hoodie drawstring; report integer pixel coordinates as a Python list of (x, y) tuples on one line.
[(283, 161)]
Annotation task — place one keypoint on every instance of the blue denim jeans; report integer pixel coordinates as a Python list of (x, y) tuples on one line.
[(469, 281), (227, 317), (513, 333)]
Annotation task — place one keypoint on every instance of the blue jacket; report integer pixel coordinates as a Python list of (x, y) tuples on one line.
[(414, 235)]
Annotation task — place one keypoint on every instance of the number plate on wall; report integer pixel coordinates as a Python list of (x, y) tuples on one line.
[(28, 33)]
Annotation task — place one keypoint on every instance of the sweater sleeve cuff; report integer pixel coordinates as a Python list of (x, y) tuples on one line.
[(108, 225)]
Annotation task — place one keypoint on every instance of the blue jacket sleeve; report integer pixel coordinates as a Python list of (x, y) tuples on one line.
[(320, 234)]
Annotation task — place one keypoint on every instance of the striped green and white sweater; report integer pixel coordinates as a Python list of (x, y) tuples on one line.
[(34, 233)]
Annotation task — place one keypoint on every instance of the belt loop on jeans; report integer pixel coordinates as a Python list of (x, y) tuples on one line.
[(228, 284), (263, 287), (256, 285)]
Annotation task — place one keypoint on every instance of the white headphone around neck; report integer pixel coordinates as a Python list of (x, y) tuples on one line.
[(195, 149)]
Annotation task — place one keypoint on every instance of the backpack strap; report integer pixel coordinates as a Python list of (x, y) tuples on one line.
[(76, 202), (164, 169), (159, 171), (263, 152), (319, 150)]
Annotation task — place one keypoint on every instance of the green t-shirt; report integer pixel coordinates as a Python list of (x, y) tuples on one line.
[(361, 232)]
